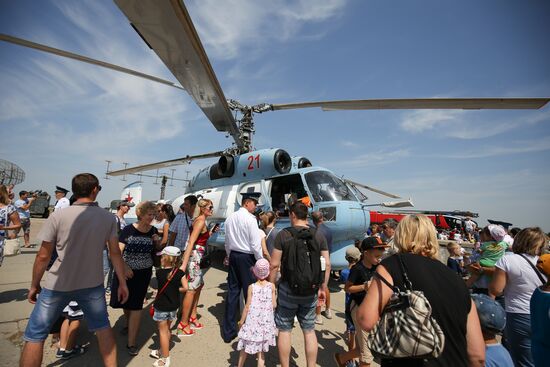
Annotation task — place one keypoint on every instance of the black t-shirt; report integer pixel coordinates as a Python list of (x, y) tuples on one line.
[(169, 300), (284, 236), (139, 246), (360, 274), (450, 300)]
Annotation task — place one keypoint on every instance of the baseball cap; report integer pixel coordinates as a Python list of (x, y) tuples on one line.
[(491, 314), (353, 253), (543, 263), (171, 251), (372, 242)]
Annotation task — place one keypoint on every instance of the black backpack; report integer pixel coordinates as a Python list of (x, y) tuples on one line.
[(301, 265)]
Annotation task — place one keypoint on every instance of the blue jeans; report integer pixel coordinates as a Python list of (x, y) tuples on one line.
[(518, 336), (50, 304)]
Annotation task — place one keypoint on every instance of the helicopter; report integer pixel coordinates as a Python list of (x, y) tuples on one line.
[(166, 27)]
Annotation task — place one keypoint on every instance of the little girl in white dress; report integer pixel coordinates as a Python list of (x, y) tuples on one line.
[(257, 324)]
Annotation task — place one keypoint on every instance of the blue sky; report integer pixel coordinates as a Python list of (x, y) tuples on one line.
[(63, 117)]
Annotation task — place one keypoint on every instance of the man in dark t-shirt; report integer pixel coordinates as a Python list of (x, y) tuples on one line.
[(290, 305), (372, 249)]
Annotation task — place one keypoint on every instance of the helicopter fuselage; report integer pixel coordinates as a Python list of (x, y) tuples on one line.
[(280, 178)]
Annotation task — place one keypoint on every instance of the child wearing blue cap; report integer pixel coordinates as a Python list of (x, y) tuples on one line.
[(492, 319)]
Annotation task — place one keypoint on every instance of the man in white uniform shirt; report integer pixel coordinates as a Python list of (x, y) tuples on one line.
[(243, 246), (60, 196)]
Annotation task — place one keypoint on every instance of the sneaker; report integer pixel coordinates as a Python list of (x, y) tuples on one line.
[(328, 313), (155, 353), (59, 353), (77, 350), (318, 320), (132, 350)]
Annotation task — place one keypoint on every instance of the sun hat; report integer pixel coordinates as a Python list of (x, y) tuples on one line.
[(171, 251), (497, 232), (261, 269)]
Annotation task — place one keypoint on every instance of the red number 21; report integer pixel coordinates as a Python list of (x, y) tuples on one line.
[(251, 160)]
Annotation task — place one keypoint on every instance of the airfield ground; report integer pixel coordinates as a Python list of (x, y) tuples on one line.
[(206, 348)]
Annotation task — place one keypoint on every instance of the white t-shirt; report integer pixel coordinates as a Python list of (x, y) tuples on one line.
[(521, 281)]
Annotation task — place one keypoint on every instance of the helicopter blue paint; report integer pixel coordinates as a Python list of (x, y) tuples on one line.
[(257, 171)]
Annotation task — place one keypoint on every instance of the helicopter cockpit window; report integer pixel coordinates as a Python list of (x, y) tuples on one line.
[(325, 186), (282, 189)]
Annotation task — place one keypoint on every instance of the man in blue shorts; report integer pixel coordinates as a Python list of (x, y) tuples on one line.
[(289, 303), (79, 234)]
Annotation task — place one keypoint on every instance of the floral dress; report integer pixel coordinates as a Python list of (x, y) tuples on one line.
[(258, 332)]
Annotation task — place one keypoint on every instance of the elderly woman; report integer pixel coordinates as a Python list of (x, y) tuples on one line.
[(194, 252), (517, 277), (136, 244), (8, 214), (416, 242)]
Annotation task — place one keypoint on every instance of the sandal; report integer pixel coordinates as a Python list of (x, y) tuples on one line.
[(195, 324), (181, 328), (162, 362)]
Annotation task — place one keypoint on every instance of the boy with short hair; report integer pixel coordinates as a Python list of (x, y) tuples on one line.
[(353, 256), (492, 319), (359, 280)]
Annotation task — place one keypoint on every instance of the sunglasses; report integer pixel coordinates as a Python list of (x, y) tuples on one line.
[(211, 207), (99, 188)]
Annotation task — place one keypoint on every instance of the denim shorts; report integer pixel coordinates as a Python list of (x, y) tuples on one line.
[(50, 305), (165, 315), (290, 305)]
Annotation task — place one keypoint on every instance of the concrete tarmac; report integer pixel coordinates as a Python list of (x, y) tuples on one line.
[(205, 348)]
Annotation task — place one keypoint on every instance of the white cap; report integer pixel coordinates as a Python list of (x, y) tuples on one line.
[(171, 251)]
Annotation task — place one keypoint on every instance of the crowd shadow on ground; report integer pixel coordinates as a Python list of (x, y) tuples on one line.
[(14, 295)]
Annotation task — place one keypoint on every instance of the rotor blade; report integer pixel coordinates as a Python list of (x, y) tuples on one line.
[(421, 103), (167, 28), (397, 204), (164, 164), (373, 189), (70, 55)]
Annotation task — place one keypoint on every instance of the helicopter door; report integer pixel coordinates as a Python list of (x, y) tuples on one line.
[(283, 188)]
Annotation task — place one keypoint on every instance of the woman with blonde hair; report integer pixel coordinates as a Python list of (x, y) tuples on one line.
[(136, 243), (8, 213), (194, 252), (517, 277), (418, 250)]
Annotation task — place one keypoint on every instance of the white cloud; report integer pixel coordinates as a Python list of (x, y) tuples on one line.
[(378, 158), (228, 26), (462, 124), (508, 148), (349, 144)]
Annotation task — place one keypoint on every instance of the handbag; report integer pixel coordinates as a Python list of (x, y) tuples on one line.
[(152, 307), (406, 328)]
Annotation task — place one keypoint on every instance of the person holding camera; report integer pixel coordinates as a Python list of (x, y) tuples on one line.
[(22, 205)]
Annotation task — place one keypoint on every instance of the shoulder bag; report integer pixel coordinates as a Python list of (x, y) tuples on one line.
[(152, 308), (406, 328)]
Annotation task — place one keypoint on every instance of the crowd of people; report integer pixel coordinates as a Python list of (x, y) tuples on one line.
[(491, 305)]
